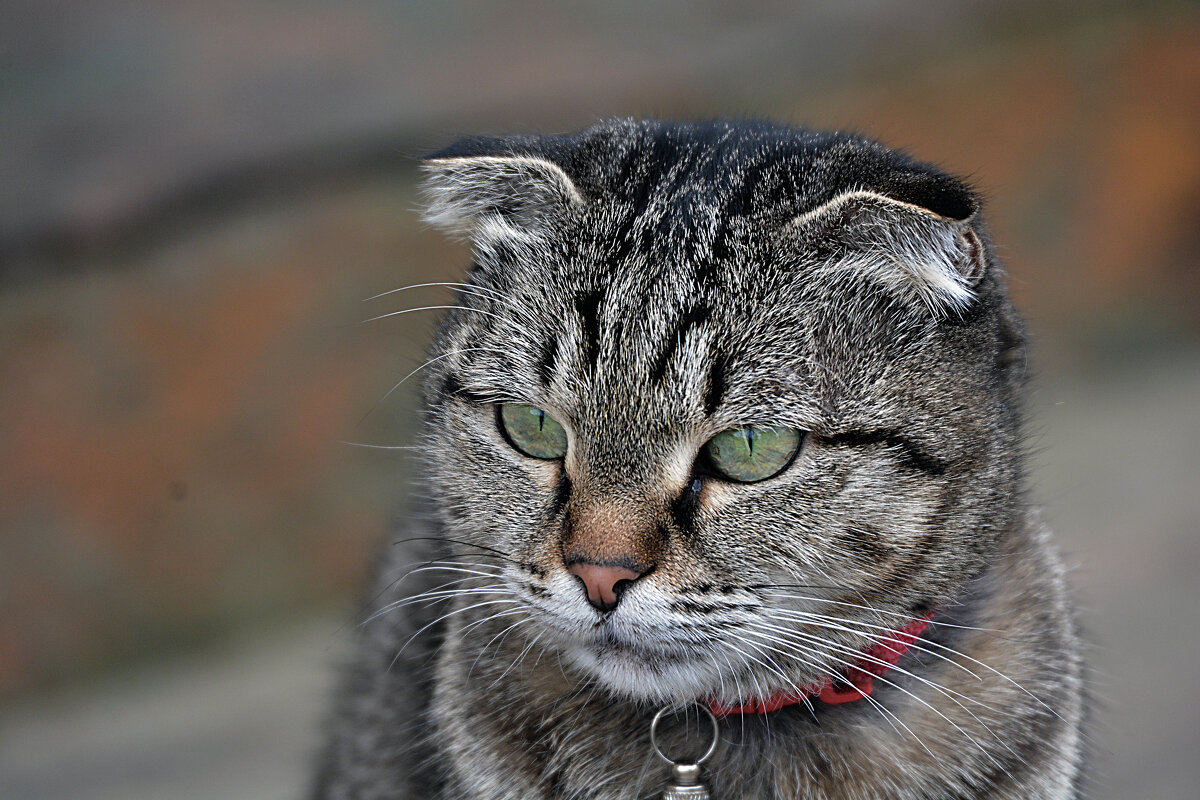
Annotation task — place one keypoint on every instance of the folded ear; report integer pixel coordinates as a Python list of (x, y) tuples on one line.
[(489, 197), (918, 241)]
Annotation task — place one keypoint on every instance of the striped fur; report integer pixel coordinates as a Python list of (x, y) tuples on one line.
[(649, 285)]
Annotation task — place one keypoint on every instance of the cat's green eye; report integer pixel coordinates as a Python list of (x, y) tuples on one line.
[(749, 454), (532, 431)]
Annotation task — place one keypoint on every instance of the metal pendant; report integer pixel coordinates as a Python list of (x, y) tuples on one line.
[(686, 782)]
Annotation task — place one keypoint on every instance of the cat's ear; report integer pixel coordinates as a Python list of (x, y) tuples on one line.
[(492, 197), (916, 235)]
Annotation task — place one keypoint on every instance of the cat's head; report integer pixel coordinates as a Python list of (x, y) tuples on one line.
[(723, 402)]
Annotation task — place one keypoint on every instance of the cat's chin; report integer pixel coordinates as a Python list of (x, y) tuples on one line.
[(656, 676)]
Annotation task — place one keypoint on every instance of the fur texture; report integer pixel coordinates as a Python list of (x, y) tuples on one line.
[(650, 285)]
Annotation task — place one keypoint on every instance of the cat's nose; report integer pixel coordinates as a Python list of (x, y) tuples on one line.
[(604, 583)]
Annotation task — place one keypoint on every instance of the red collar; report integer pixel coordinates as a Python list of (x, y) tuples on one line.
[(854, 685)]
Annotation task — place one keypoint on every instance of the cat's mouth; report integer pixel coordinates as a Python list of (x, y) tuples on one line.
[(608, 644)]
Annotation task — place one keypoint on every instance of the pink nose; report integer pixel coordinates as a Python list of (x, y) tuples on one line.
[(603, 583)]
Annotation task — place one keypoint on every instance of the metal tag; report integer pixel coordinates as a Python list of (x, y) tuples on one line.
[(686, 784)]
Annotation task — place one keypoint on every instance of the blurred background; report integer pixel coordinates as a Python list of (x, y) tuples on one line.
[(196, 198)]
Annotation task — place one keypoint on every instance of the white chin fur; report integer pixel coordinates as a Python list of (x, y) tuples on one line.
[(672, 679), (646, 677)]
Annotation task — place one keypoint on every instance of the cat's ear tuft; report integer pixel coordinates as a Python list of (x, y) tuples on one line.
[(918, 237), (489, 197)]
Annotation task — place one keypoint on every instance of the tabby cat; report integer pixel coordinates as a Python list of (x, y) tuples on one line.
[(725, 413)]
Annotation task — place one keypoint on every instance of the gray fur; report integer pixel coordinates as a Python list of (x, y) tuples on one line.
[(649, 285)]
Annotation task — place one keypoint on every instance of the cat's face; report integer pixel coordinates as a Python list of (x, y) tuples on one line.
[(643, 308)]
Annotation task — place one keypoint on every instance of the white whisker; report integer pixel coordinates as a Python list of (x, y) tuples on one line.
[(430, 308), (880, 678)]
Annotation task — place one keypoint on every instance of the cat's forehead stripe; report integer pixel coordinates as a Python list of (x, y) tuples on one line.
[(548, 362), (691, 319), (587, 307), (715, 390)]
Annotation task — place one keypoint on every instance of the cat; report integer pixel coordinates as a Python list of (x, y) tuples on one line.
[(725, 413)]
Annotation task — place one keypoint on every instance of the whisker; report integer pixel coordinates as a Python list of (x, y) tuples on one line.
[(905, 617), (483, 292), (466, 629), (822, 621), (953, 652), (520, 657), (430, 308), (878, 661), (443, 617), (482, 570), (462, 542), (429, 598), (432, 565), (918, 699), (772, 667), (381, 446), (889, 716), (945, 692), (412, 372), (451, 284), (504, 633)]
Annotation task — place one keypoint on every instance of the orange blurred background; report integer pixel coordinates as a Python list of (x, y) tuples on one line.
[(196, 198)]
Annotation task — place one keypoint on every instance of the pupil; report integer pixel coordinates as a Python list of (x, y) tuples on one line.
[(541, 420)]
